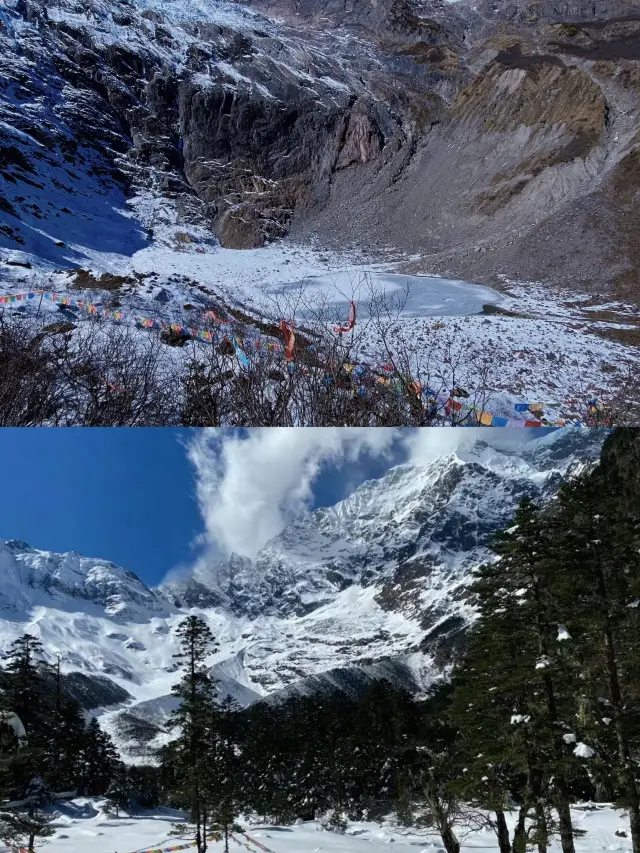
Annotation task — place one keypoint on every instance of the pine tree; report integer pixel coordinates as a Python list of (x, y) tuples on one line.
[(192, 719), (36, 823), (25, 660), (438, 765), (147, 788), (513, 694), (120, 790), (100, 761), (223, 783), (596, 552), (65, 745), (10, 831), (527, 549)]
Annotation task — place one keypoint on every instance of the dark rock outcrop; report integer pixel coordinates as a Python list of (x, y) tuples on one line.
[(509, 125)]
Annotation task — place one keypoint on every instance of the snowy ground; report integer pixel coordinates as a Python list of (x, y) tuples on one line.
[(557, 349), (83, 825)]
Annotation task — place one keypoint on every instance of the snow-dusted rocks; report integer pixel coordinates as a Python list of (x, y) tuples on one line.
[(583, 751), (61, 581), (375, 582)]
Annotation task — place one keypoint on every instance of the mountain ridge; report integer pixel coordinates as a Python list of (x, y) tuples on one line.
[(521, 120), (376, 582)]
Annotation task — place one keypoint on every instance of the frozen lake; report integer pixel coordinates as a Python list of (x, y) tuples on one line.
[(425, 295)]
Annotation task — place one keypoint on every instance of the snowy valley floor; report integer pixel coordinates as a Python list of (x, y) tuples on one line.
[(83, 825), (551, 348)]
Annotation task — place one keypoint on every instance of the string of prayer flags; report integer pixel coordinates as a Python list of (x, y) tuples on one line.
[(242, 843), (242, 358), (432, 399), (452, 406)]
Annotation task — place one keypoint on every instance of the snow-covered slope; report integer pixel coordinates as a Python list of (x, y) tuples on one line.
[(31, 577), (84, 824), (143, 142), (377, 578), (409, 534)]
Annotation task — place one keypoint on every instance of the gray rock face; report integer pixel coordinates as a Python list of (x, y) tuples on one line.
[(558, 11), (245, 118), (30, 575), (492, 123)]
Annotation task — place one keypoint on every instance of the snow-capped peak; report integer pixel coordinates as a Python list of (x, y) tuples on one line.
[(34, 577), (378, 578)]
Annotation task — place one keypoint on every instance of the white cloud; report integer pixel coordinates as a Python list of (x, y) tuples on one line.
[(249, 486), (425, 445)]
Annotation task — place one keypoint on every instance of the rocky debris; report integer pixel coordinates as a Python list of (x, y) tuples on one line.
[(56, 329), (85, 280), (12, 262), (173, 338), (475, 123)]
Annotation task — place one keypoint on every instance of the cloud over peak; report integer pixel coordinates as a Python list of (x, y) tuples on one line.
[(250, 484)]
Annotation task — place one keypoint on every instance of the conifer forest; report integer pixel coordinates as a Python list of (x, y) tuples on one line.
[(538, 707)]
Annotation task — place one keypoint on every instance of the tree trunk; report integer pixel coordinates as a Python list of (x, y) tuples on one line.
[(198, 836), (634, 820), (449, 840), (519, 836), (226, 838), (204, 831), (566, 827), (443, 822), (542, 833), (502, 831), (32, 835)]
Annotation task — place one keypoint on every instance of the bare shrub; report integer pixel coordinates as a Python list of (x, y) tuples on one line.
[(97, 373)]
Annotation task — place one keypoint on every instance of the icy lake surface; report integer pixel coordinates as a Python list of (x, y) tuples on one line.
[(422, 295)]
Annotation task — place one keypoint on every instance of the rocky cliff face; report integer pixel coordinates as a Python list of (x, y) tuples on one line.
[(534, 148), (241, 122), (41, 578), (510, 127), (408, 539)]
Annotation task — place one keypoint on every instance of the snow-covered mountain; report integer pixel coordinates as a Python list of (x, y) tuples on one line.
[(31, 577), (121, 116), (375, 582)]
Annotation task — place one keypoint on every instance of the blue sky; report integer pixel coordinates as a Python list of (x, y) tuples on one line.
[(126, 495)]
